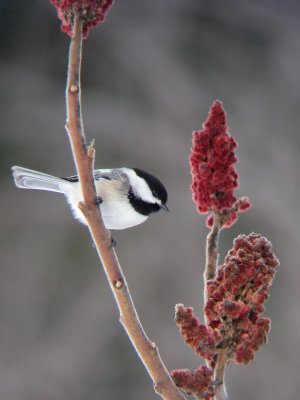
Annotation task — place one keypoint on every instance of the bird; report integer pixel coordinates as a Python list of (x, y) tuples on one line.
[(127, 196)]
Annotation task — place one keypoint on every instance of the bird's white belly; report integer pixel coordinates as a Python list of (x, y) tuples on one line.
[(120, 216), (116, 214)]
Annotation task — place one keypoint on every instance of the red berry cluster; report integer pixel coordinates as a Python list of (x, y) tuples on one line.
[(236, 296), (214, 178), (235, 302), (197, 383), (92, 12), (199, 337), (229, 216)]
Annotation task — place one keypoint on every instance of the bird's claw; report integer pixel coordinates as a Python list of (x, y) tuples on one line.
[(98, 200)]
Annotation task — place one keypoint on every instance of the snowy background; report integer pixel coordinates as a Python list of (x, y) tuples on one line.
[(150, 74)]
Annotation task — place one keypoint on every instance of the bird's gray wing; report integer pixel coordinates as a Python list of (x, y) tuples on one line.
[(116, 174), (113, 181), (108, 174)]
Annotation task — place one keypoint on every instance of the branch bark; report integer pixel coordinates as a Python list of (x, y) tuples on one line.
[(219, 376), (212, 254), (212, 248), (84, 159)]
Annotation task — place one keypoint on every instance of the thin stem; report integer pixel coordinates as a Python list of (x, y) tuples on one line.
[(212, 254), (212, 248), (84, 160), (219, 376)]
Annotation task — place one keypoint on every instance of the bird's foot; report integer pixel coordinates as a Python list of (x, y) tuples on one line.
[(98, 200)]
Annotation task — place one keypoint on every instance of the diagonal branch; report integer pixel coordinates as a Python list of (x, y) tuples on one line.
[(84, 160)]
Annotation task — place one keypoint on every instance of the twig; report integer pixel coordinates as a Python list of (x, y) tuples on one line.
[(84, 160), (212, 248), (219, 376), (212, 254)]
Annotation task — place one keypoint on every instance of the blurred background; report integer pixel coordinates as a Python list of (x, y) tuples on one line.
[(150, 74)]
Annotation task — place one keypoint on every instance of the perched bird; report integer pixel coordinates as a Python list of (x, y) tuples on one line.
[(127, 196)]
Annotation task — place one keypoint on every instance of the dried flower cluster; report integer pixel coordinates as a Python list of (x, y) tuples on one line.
[(214, 178), (92, 13), (235, 302), (198, 382), (236, 296), (201, 338)]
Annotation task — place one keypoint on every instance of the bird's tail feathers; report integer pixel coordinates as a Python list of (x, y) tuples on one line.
[(28, 179)]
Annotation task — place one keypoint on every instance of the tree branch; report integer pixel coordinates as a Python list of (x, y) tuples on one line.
[(84, 160)]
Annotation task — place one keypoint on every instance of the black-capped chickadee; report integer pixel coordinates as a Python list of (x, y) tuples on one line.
[(127, 195)]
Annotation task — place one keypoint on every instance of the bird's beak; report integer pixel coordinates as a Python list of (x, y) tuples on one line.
[(164, 207)]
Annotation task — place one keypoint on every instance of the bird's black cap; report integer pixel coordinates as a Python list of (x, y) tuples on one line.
[(157, 188)]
